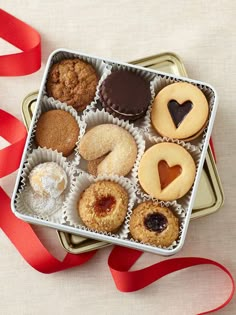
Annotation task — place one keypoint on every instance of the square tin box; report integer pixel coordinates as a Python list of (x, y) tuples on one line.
[(186, 204)]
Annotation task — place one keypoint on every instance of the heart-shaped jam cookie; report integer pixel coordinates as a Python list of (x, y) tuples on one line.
[(166, 171), (179, 111), (167, 174)]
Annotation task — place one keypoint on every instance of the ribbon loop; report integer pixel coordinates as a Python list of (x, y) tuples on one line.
[(24, 37), (121, 259), (14, 132)]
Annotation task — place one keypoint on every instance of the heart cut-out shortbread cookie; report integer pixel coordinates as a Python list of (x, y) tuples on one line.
[(180, 110), (175, 173)]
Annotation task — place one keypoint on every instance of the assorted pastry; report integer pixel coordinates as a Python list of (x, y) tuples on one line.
[(165, 172), (125, 94), (103, 206), (153, 224), (44, 191), (58, 130), (180, 110), (110, 149), (72, 81)]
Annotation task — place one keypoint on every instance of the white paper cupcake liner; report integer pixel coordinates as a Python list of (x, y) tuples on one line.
[(161, 81), (50, 104), (101, 68), (193, 150), (83, 181), (177, 209), (149, 76), (93, 119), (54, 208)]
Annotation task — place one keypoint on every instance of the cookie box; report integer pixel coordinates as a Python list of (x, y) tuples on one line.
[(209, 197), (134, 189)]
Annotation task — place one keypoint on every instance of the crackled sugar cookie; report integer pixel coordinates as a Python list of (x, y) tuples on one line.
[(103, 206), (155, 225), (112, 149), (180, 110), (166, 171)]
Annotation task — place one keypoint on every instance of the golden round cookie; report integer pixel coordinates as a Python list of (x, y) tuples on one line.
[(180, 110), (155, 225), (103, 206), (113, 141), (57, 130), (73, 81), (166, 171)]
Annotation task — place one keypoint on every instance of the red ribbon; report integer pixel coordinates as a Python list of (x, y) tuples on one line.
[(29, 246), (122, 259), (24, 37), (14, 132), (20, 233)]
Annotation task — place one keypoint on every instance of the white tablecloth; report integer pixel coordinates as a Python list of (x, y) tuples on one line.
[(203, 34)]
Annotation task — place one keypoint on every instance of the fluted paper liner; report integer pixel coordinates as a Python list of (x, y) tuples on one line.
[(38, 156), (178, 211), (83, 181), (162, 81), (102, 68), (93, 119)]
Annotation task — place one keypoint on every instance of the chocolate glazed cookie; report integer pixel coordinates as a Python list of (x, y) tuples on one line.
[(125, 94), (153, 224)]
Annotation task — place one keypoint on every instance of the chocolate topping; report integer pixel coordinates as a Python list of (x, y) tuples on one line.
[(156, 222), (126, 93), (179, 111)]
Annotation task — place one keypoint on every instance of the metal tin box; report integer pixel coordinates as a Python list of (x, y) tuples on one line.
[(210, 196), (103, 237)]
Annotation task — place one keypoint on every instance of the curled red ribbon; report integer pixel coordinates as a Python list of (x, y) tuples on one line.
[(122, 259), (12, 130), (20, 233), (24, 37)]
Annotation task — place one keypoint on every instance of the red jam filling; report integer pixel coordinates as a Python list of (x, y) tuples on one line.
[(104, 205), (168, 174)]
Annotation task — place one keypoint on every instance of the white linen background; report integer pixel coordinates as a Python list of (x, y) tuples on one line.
[(203, 34)]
